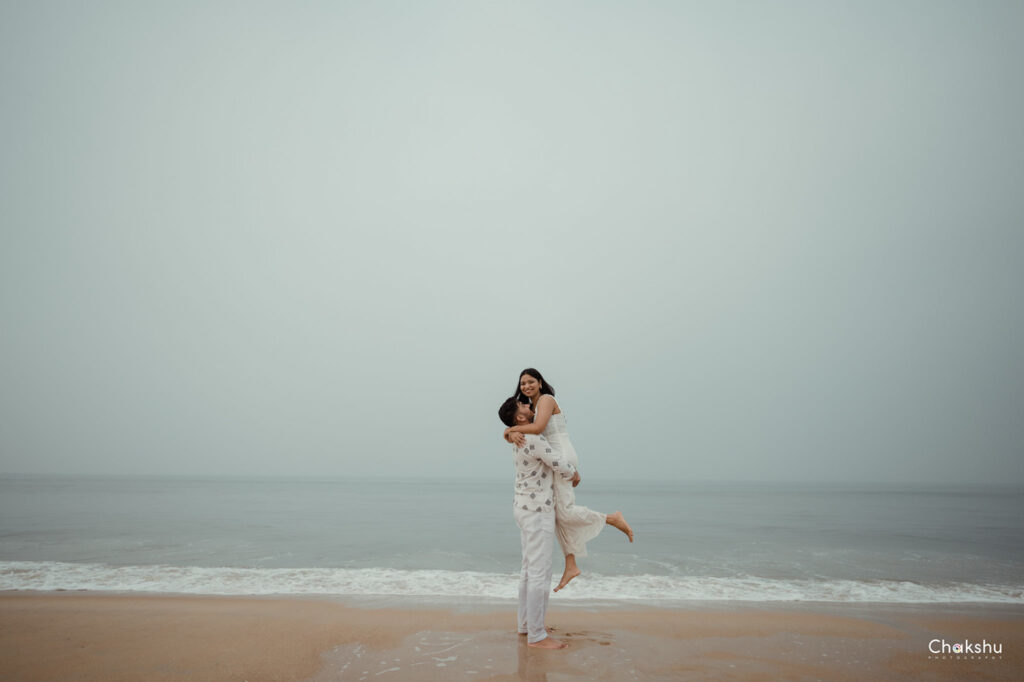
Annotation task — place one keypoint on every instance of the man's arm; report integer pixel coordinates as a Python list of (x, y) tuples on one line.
[(539, 447)]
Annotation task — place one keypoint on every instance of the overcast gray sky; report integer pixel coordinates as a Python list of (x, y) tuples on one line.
[(744, 241)]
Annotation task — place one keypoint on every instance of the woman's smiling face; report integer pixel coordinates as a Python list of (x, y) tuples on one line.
[(529, 386)]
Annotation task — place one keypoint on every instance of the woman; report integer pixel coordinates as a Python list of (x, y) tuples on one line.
[(574, 525)]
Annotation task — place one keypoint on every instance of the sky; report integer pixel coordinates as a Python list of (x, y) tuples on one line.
[(743, 241)]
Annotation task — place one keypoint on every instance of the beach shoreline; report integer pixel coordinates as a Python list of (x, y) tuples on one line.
[(107, 636)]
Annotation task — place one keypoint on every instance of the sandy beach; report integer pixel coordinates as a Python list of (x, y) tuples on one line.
[(77, 636)]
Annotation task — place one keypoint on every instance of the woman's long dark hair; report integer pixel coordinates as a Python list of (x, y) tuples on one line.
[(545, 387)]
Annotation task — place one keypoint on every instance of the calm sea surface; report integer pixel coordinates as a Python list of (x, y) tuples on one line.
[(431, 538)]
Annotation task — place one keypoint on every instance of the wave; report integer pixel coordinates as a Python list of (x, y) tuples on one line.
[(650, 589)]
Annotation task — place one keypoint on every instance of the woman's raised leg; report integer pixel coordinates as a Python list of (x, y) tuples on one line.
[(571, 571), (619, 521)]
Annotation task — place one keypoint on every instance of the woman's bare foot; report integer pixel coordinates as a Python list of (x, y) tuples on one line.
[(619, 521), (549, 643), (569, 574)]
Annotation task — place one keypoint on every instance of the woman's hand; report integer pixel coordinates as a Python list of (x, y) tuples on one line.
[(514, 437)]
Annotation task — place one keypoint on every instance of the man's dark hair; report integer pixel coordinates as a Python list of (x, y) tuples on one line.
[(507, 411)]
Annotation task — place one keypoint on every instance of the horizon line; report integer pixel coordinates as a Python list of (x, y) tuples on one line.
[(338, 477)]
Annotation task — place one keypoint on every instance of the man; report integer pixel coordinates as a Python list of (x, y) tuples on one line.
[(536, 464)]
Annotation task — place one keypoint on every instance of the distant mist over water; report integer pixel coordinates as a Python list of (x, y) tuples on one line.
[(445, 538)]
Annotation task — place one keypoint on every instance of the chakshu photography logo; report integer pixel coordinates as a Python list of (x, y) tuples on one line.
[(942, 650)]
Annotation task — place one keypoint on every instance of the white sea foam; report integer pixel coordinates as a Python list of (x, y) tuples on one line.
[(653, 589)]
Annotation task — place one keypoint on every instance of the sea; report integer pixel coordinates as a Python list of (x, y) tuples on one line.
[(456, 540)]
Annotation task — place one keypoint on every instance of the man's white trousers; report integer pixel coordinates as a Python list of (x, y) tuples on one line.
[(537, 530)]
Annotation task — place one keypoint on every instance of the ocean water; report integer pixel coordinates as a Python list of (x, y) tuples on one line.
[(457, 540)]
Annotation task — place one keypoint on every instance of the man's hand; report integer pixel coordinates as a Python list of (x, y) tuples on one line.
[(576, 479)]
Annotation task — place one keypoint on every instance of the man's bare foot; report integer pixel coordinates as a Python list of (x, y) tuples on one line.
[(619, 521), (549, 643), (567, 576), (547, 629)]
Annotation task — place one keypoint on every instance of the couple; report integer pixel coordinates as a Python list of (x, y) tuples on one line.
[(546, 473)]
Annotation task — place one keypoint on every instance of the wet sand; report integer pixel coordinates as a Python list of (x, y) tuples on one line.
[(91, 636)]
